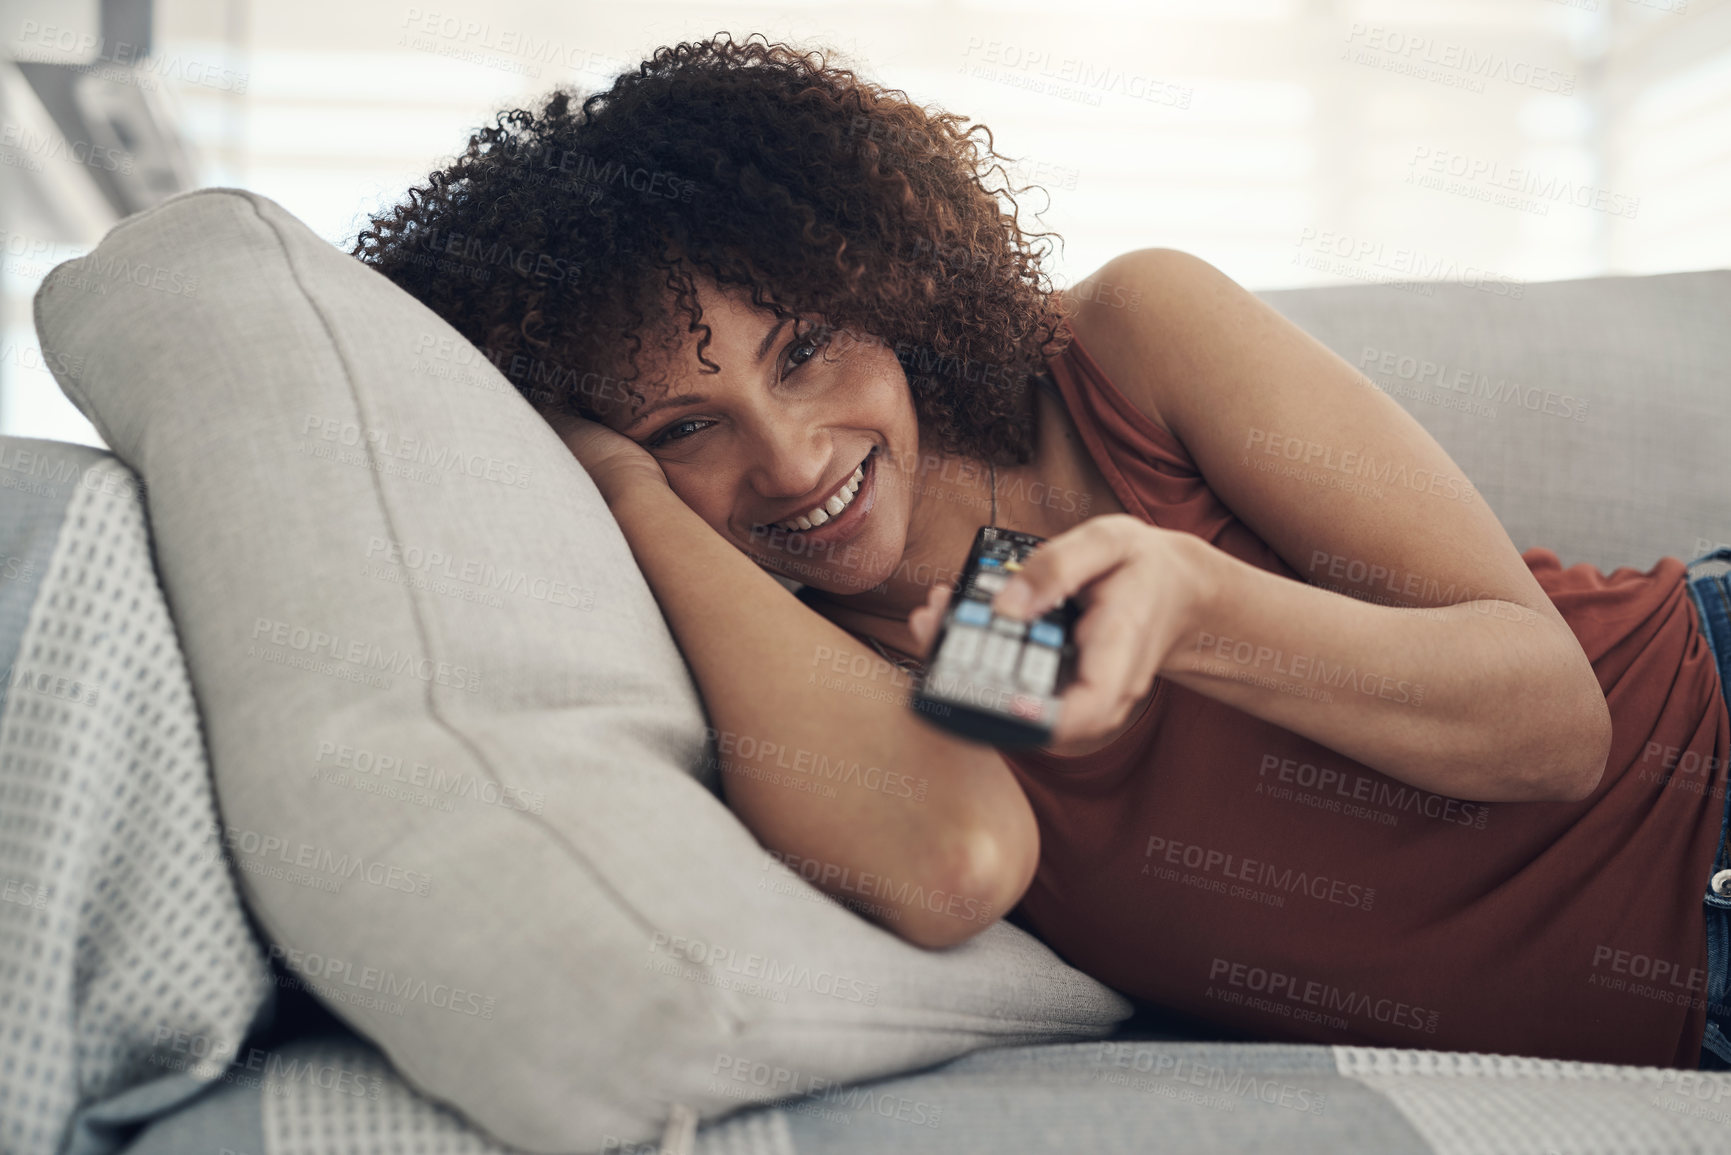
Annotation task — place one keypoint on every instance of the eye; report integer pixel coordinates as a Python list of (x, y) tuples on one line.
[(815, 339), (663, 437)]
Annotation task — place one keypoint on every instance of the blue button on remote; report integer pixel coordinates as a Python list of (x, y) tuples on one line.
[(1046, 634), (972, 613)]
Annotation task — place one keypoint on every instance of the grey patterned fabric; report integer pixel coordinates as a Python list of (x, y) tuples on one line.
[(36, 481), (125, 957)]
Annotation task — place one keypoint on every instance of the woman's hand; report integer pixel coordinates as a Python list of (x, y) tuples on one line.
[(1140, 588), (607, 456)]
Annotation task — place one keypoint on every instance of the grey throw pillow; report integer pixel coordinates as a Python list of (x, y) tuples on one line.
[(457, 753)]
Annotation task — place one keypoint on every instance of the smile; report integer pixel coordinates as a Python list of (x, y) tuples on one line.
[(818, 514), (835, 509)]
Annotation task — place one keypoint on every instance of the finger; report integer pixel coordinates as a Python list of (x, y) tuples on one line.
[(923, 622), (922, 625), (1060, 566), (1114, 669)]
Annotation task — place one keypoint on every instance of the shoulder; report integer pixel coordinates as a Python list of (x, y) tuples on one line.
[(1141, 316)]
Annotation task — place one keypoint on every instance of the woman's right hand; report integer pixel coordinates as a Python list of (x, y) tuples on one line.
[(606, 455)]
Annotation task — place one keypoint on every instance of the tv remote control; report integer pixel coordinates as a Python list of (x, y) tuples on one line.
[(992, 678)]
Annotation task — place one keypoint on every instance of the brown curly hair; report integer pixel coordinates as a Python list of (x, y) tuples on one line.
[(556, 241)]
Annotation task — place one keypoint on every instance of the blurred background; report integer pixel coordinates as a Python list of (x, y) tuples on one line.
[(1289, 142)]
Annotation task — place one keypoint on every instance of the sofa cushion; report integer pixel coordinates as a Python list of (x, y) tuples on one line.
[(459, 759)]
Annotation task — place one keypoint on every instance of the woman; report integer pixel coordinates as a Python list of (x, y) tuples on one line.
[(1339, 765)]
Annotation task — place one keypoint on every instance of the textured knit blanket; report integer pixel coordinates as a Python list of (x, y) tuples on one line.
[(126, 959)]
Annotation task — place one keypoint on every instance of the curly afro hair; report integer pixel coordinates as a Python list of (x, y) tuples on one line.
[(562, 243)]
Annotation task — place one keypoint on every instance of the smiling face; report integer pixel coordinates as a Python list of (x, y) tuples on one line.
[(783, 431)]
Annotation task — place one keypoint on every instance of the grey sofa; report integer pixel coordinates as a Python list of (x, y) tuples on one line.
[(1586, 412)]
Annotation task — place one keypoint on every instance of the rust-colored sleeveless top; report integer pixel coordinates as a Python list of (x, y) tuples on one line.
[(1231, 870)]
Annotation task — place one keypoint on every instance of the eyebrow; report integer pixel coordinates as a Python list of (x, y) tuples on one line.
[(684, 399)]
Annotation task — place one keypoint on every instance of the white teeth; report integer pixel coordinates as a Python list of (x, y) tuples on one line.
[(812, 518)]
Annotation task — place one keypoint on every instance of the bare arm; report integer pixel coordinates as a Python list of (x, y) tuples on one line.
[(1469, 683), (827, 763), (1461, 700)]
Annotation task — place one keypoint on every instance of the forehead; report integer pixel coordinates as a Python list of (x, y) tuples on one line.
[(667, 362)]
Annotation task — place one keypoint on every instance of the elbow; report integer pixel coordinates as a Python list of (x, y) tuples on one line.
[(1572, 765), (975, 879), (1590, 769), (1590, 738), (1575, 785)]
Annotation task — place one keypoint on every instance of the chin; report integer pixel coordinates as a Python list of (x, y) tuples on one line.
[(848, 583), (832, 574), (838, 580)]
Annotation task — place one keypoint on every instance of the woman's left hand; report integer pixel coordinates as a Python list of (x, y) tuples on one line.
[(1140, 588), (605, 455)]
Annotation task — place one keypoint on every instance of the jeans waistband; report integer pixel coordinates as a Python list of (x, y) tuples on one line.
[(1711, 594)]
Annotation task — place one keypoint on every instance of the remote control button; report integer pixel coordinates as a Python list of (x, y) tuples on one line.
[(998, 657), (989, 562), (962, 645), (1039, 669), (1046, 634), (1012, 565), (969, 613), (1009, 627), (989, 583)]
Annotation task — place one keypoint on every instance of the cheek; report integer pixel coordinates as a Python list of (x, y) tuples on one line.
[(883, 390), (702, 498)]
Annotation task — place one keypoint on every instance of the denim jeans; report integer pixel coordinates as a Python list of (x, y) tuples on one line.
[(1711, 594)]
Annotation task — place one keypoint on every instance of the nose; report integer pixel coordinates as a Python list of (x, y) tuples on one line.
[(789, 456)]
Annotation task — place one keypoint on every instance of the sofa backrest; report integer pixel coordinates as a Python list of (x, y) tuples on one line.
[(1592, 414)]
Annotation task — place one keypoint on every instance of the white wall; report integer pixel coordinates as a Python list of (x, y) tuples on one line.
[(1290, 142)]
